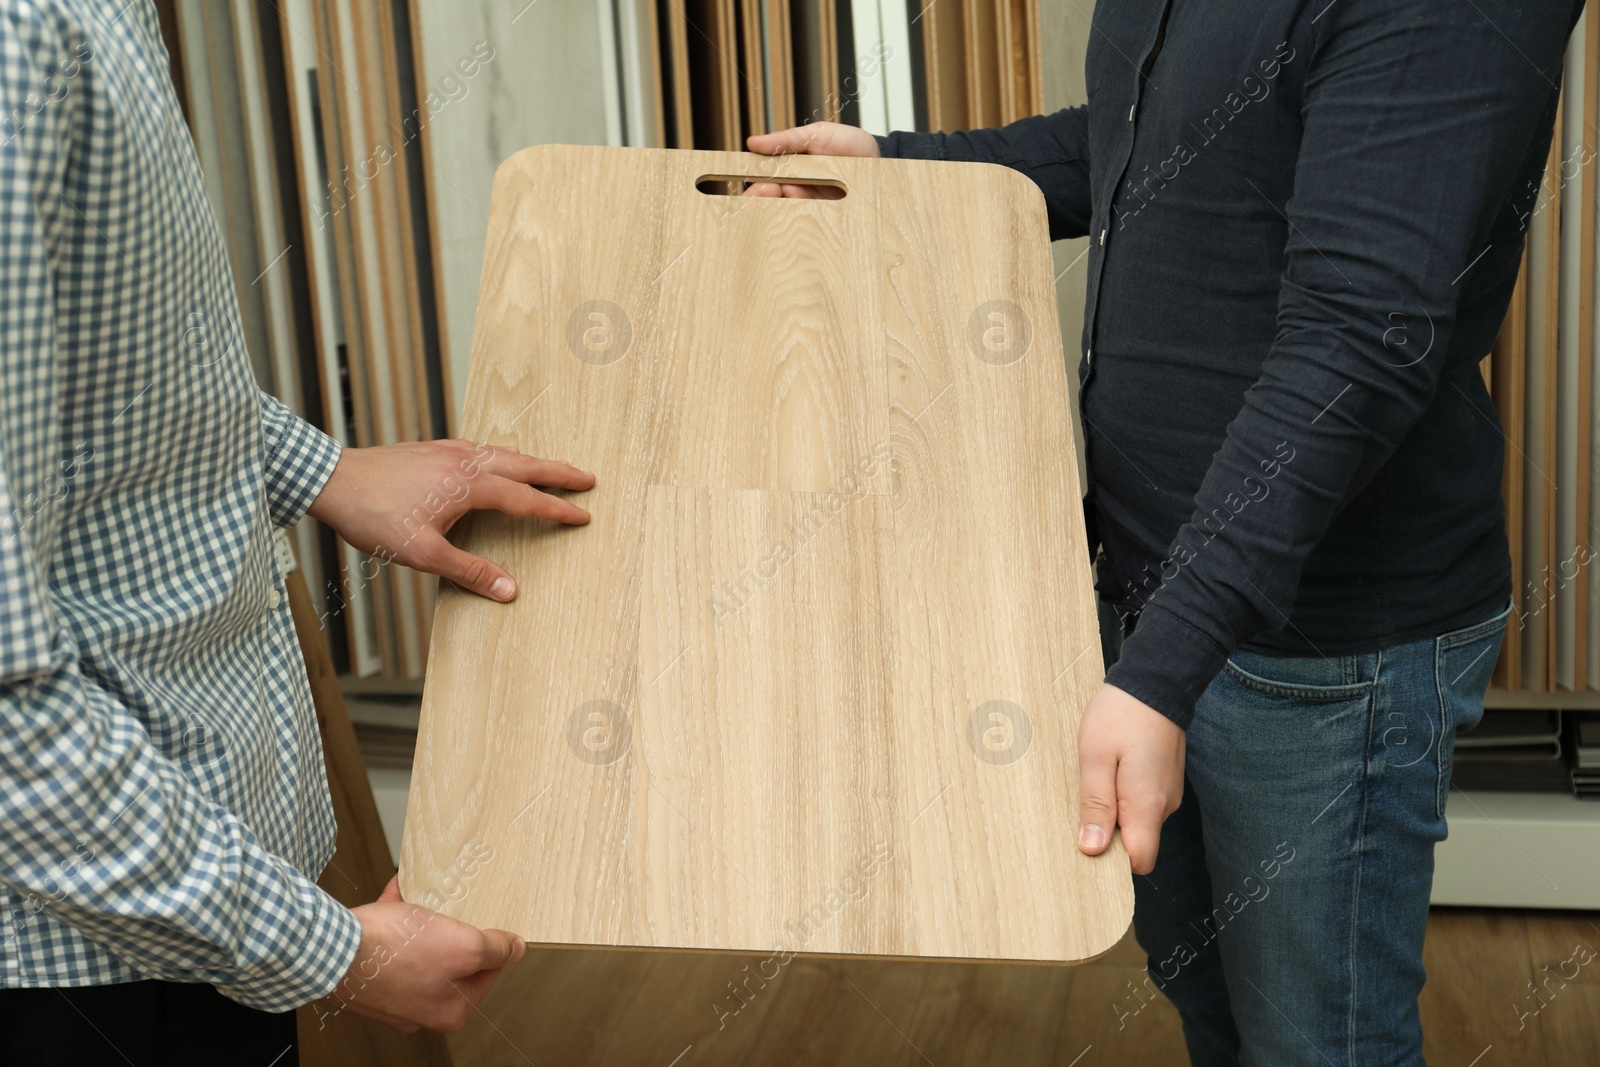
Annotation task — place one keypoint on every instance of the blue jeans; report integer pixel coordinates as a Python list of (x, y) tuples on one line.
[(1287, 909)]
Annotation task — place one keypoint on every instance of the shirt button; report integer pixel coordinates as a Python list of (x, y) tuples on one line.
[(274, 599)]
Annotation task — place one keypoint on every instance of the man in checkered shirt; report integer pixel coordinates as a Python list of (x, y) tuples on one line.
[(163, 805)]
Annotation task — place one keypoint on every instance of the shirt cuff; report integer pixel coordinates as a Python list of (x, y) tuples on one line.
[(300, 460), (1167, 663), (905, 144), (328, 940)]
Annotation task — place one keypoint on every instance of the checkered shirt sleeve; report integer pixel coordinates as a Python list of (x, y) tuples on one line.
[(163, 800), (300, 460)]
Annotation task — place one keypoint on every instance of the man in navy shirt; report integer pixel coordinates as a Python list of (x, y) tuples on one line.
[(1305, 224)]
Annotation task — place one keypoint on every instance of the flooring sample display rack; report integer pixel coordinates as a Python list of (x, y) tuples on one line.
[(811, 678)]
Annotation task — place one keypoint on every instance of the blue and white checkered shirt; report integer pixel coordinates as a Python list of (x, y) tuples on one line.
[(163, 802)]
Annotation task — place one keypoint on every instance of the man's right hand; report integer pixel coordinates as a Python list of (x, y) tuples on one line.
[(416, 968), (816, 139)]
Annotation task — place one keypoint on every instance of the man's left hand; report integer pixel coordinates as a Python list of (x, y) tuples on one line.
[(398, 502), (1130, 757)]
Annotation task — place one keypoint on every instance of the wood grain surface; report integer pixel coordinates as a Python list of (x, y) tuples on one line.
[(811, 677)]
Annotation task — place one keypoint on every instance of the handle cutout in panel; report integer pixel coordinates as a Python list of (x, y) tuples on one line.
[(737, 184)]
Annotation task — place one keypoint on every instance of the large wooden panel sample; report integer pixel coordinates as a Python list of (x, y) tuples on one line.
[(811, 678)]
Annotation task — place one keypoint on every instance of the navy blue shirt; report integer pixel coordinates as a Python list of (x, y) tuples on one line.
[(1305, 224)]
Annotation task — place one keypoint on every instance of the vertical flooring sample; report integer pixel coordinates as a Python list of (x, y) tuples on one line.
[(1538, 539), (812, 676)]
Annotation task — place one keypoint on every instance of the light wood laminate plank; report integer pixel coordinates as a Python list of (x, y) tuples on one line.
[(794, 683)]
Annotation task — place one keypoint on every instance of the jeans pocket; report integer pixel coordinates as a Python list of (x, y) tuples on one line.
[(1463, 663), (1316, 679)]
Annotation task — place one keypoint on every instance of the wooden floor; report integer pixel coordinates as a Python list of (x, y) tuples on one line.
[(562, 1007)]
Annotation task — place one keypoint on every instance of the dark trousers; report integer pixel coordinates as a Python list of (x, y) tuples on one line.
[(146, 1024)]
